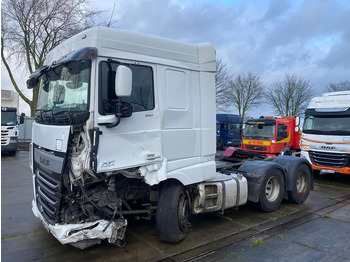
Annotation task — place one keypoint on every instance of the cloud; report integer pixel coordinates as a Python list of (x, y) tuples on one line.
[(266, 37)]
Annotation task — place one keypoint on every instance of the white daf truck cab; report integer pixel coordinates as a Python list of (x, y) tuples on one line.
[(325, 140), (125, 126)]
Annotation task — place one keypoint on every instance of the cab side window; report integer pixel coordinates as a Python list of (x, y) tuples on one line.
[(142, 94), (281, 132)]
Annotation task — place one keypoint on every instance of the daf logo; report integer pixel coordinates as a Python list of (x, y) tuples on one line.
[(328, 147), (44, 161)]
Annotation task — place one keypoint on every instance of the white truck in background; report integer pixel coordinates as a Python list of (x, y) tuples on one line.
[(9, 123), (125, 127), (325, 140)]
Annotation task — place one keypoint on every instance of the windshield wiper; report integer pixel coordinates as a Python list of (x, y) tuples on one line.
[(313, 131), (44, 111), (63, 116)]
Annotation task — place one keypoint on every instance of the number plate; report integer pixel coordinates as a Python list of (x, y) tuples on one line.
[(327, 171)]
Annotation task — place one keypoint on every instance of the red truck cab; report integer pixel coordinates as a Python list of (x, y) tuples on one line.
[(272, 135)]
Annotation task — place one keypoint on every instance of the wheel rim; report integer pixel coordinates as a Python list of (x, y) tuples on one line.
[(183, 213), (301, 183), (272, 189)]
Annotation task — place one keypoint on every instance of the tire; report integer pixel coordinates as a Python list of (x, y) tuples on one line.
[(301, 185), (172, 212), (12, 153), (286, 152), (272, 191), (219, 144)]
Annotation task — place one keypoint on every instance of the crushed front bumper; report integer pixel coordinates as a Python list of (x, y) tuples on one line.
[(87, 234)]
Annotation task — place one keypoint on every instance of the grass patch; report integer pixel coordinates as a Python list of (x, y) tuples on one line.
[(273, 218), (309, 246), (225, 217), (281, 237), (18, 235), (257, 242), (326, 216), (331, 198)]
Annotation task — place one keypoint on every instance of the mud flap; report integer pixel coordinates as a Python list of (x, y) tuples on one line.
[(255, 171)]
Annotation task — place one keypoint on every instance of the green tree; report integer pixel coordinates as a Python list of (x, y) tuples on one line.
[(31, 28)]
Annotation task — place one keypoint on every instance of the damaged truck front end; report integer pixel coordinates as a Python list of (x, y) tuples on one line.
[(78, 205)]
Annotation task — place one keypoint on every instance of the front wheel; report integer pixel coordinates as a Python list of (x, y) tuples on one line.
[(301, 185), (172, 212), (272, 190), (219, 144)]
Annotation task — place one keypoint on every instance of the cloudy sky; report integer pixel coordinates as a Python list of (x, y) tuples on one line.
[(310, 38)]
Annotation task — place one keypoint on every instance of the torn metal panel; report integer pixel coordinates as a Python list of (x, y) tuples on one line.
[(78, 234)]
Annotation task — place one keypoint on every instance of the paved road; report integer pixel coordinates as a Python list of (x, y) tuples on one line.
[(318, 230)]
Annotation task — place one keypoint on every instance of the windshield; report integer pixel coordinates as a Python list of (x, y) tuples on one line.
[(327, 125), (259, 131), (8, 118), (234, 126), (63, 95)]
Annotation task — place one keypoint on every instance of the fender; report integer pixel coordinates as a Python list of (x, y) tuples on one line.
[(254, 171), (230, 150), (290, 163)]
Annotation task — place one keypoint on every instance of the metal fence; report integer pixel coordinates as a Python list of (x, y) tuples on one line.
[(25, 130)]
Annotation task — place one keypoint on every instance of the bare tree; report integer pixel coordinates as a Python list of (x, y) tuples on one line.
[(289, 97), (222, 86), (31, 28), (246, 92), (341, 86)]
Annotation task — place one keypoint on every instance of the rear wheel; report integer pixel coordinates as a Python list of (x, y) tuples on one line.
[(301, 185), (172, 212), (272, 190)]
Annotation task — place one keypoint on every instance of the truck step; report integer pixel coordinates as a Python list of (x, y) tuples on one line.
[(211, 196)]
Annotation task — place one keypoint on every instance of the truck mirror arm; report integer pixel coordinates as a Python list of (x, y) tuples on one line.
[(117, 114), (122, 109)]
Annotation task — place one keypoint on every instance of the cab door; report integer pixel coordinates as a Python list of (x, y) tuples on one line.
[(135, 141), (283, 137)]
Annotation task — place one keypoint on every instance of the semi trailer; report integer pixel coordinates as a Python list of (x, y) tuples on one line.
[(125, 127)]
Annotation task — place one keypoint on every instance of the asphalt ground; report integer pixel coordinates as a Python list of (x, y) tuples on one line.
[(318, 230)]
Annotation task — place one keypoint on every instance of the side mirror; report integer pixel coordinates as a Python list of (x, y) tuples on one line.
[(32, 82), (123, 81), (297, 121), (21, 119)]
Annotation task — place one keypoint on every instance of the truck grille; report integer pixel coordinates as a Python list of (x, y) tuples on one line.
[(5, 135), (48, 168), (335, 160), (48, 194), (259, 148), (5, 141)]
